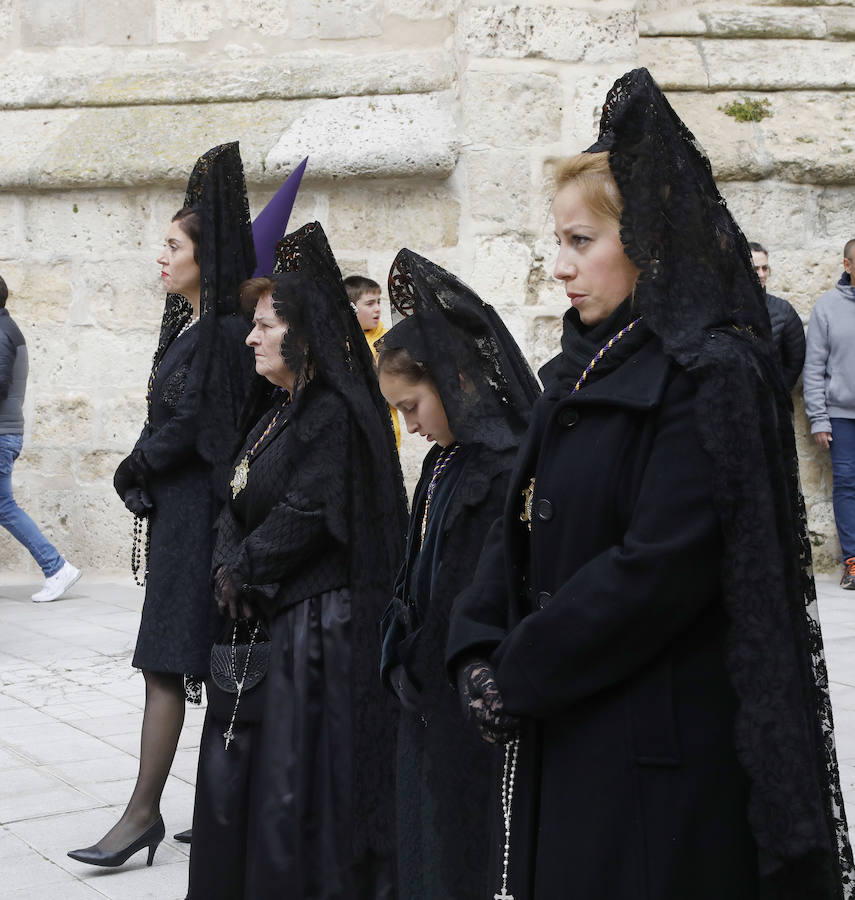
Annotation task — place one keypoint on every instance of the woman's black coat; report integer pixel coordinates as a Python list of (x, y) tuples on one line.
[(628, 787), (179, 617)]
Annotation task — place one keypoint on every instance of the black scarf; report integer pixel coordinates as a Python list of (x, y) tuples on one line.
[(580, 343)]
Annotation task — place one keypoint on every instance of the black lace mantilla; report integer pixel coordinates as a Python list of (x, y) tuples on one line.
[(216, 190), (698, 292), (372, 505), (482, 377)]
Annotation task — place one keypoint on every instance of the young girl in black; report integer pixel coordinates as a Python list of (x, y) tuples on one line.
[(457, 377)]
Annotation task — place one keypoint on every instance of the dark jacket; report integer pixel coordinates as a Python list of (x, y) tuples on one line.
[(628, 785), (282, 538), (14, 367), (788, 335)]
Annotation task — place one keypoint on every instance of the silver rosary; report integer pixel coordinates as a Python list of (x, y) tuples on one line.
[(509, 771), (229, 733)]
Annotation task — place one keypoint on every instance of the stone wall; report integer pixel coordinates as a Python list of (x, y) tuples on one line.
[(430, 124), (790, 178)]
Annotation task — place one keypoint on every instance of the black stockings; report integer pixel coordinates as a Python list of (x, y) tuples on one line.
[(162, 721)]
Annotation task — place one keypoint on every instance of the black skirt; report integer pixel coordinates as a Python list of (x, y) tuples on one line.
[(273, 815)]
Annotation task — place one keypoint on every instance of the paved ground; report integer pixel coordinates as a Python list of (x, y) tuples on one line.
[(70, 711)]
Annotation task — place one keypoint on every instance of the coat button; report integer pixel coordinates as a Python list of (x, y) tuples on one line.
[(544, 510), (568, 417), (543, 599)]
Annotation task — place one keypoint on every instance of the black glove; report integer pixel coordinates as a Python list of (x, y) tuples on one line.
[(482, 703), (132, 472), (230, 599), (138, 502), (404, 689)]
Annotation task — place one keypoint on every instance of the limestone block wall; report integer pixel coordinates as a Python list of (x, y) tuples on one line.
[(790, 178), (428, 123), (431, 124)]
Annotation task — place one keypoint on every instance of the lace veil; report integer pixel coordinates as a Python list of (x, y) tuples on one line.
[(699, 294), (221, 365), (375, 510), (483, 380)]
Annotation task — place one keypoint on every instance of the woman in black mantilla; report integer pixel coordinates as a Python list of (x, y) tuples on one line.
[(175, 477), (663, 649), (300, 804), (458, 378)]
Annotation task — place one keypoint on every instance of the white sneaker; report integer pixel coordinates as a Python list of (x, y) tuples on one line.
[(57, 584)]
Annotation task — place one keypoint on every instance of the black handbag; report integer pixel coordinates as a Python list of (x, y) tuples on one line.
[(239, 662)]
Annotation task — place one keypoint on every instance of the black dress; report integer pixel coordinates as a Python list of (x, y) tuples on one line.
[(448, 782), (179, 617), (274, 814)]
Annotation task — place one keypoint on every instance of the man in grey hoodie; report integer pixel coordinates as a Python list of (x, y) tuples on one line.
[(829, 389), (14, 367)]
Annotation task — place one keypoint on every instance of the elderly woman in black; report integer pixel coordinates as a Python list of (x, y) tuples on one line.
[(458, 378), (300, 803), (662, 654), (176, 474)]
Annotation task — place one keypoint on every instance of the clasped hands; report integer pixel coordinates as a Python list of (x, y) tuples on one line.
[(130, 484)]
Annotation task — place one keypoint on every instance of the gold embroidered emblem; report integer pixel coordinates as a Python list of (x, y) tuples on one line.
[(527, 501)]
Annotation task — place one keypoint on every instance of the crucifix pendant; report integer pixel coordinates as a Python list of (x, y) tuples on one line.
[(504, 895)]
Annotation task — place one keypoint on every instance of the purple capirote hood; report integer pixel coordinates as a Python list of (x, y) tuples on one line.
[(272, 222)]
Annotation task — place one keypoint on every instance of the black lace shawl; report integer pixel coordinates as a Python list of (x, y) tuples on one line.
[(372, 517), (483, 380), (698, 292), (217, 191)]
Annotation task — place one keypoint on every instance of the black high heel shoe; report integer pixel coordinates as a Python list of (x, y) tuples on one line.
[(150, 838)]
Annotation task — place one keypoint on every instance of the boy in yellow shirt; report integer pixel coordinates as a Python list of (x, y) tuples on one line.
[(364, 293)]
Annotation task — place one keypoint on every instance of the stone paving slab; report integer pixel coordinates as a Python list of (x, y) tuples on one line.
[(71, 710)]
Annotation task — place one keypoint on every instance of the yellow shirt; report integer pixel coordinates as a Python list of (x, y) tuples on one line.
[(371, 336)]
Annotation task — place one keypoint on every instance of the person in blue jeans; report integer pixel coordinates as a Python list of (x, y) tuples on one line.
[(59, 574), (829, 388)]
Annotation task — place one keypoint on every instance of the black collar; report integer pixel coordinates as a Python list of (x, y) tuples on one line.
[(638, 383)]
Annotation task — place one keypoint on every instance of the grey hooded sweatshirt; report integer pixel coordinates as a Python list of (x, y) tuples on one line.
[(14, 367), (829, 372)]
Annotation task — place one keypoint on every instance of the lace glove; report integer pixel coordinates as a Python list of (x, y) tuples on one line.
[(230, 599), (138, 502), (482, 702), (404, 689), (132, 472)]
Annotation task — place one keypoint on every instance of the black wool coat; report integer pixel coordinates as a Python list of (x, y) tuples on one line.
[(628, 787), (179, 618)]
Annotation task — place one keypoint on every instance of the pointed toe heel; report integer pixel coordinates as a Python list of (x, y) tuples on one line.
[(150, 838)]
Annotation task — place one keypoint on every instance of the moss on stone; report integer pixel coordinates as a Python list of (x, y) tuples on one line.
[(748, 109)]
